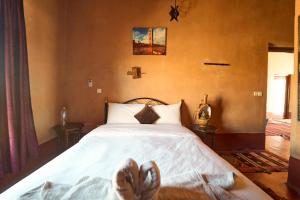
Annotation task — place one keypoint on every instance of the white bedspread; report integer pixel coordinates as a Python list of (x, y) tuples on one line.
[(175, 149)]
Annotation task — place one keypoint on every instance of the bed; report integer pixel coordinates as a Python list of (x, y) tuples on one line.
[(174, 148)]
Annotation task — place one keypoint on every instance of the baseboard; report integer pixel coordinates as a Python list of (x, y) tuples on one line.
[(294, 174), (222, 142), (239, 141)]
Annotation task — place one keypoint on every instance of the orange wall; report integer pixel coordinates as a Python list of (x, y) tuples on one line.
[(99, 47), (44, 25), (70, 42), (295, 135)]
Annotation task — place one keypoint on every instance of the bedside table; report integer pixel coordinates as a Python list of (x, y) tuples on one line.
[(207, 134), (69, 134)]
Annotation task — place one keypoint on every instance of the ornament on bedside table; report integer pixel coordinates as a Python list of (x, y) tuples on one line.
[(203, 113), (63, 116)]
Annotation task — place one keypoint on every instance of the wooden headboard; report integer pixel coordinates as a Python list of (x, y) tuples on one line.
[(140, 100)]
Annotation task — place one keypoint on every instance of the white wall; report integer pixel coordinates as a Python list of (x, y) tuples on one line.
[(280, 64)]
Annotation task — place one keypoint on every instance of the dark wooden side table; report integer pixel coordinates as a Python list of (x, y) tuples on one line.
[(69, 134), (207, 134)]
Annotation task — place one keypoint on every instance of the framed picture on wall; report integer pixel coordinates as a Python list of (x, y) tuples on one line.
[(149, 41)]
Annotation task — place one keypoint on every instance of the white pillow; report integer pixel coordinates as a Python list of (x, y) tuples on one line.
[(168, 114), (123, 113)]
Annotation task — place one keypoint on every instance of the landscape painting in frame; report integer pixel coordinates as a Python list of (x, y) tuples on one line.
[(149, 41)]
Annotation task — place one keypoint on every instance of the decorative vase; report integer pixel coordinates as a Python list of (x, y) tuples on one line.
[(203, 113), (63, 116)]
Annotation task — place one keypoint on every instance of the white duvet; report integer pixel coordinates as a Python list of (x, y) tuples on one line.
[(175, 149)]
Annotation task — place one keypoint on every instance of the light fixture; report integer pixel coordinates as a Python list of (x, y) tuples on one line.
[(135, 72), (174, 12)]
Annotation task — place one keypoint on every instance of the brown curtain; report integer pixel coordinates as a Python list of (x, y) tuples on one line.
[(18, 139)]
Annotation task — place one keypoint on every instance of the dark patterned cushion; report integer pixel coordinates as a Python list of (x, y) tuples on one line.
[(147, 115)]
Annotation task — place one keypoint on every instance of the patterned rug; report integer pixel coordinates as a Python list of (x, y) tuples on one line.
[(278, 128), (258, 161)]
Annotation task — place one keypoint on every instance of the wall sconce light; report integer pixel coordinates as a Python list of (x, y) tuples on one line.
[(135, 72)]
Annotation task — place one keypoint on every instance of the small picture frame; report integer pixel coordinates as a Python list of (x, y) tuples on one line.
[(149, 41)]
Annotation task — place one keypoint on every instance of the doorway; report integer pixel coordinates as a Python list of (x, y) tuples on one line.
[(278, 113)]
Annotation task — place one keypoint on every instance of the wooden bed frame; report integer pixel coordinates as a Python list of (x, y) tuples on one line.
[(141, 100)]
